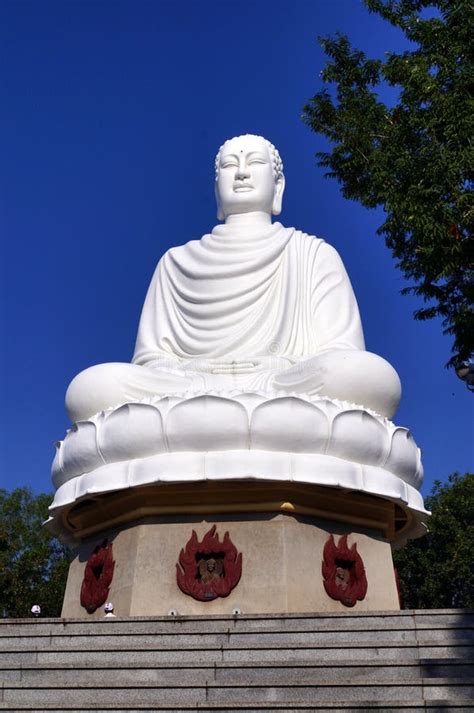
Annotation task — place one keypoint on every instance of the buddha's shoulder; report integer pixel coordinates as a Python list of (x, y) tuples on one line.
[(306, 239), (317, 247), (178, 251)]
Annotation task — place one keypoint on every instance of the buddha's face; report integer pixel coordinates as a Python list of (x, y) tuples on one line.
[(245, 180)]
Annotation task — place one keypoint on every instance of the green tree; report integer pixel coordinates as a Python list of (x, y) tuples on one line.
[(415, 158), (437, 571), (33, 563)]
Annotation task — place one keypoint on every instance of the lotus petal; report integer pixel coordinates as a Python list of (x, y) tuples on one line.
[(359, 437), (131, 431), (289, 424), (420, 473), (79, 450), (404, 457), (207, 423)]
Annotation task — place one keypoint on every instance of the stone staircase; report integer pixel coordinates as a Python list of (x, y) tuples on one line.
[(386, 661)]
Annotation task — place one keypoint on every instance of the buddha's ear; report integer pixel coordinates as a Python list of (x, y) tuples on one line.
[(220, 212), (278, 196)]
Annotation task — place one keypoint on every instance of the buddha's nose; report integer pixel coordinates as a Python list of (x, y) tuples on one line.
[(242, 171)]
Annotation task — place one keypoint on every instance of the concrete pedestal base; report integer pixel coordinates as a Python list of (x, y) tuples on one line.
[(281, 569)]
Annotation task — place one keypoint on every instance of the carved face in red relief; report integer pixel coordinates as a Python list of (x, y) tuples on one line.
[(208, 569), (343, 572), (342, 577)]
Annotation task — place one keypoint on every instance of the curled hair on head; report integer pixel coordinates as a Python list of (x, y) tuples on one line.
[(277, 163)]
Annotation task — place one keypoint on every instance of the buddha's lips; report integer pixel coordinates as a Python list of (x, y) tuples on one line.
[(242, 187)]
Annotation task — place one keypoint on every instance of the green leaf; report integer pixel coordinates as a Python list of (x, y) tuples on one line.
[(414, 158)]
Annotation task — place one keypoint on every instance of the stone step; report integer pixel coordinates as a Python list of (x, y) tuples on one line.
[(452, 689), (413, 706), (108, 637), (273, 673), (351, 621), (325, 651), (349, 661)]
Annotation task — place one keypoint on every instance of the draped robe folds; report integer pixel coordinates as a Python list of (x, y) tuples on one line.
[(268, 309), (236, 309)]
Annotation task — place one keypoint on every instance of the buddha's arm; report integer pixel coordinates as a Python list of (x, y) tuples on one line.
[(147, 347), (341, 368), (335, 314)]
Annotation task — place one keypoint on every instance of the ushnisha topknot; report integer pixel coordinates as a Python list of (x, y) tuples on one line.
[(277, 163)]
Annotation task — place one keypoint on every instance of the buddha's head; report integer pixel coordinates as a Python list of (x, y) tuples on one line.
[(249, 177)]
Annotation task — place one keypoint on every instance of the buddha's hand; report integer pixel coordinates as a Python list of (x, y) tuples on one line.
[(224, 366), (250, 365)]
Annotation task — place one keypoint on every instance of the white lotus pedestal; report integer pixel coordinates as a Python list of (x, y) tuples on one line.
[(313, 494)]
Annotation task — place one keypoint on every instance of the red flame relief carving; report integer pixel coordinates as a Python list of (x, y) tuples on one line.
[(343, 572), (209, 569), (98, 576)]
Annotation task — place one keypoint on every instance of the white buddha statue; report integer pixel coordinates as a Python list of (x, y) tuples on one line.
[(252, 306)]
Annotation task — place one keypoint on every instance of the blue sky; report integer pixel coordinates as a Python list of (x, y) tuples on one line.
[(111, 114)]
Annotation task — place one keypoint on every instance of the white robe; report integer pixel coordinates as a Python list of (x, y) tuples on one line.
[(269, 310), (279, 294)]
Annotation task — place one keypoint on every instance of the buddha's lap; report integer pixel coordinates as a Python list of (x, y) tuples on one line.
[(356, 376)]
